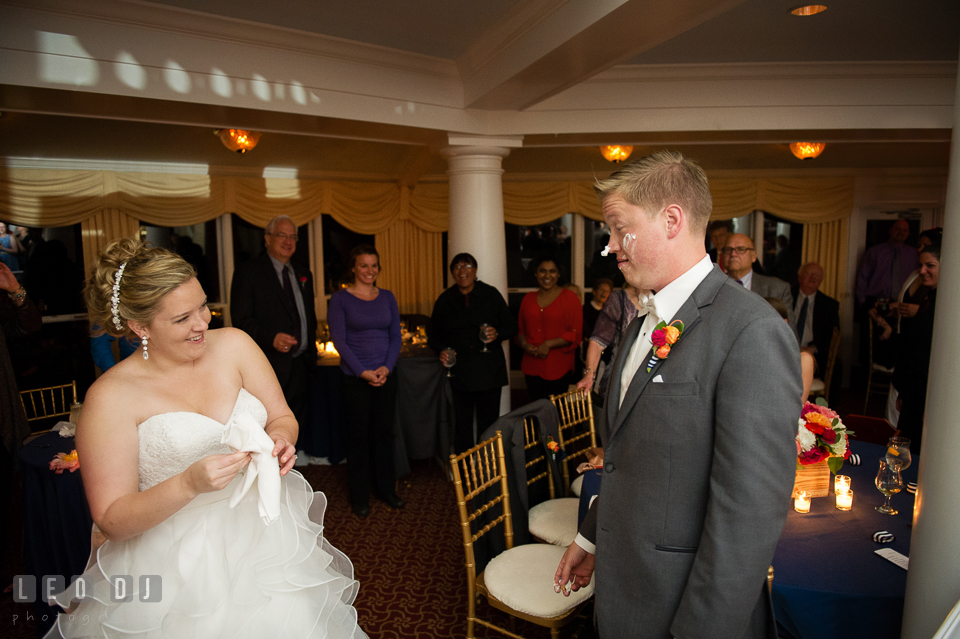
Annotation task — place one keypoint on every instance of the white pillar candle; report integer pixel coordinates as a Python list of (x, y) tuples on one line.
[(845, 500)]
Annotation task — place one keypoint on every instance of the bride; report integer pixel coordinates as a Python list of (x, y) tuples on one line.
[(159, 481)]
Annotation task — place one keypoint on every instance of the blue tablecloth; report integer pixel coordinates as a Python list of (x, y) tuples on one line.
[(828, 582), (424, 416), (56, 519)]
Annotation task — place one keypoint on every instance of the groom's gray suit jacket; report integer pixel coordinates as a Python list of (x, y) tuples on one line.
[(698, 472)]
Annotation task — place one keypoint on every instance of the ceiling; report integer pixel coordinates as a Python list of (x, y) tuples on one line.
[(64, 124)]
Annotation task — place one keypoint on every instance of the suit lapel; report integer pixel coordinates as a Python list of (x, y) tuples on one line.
[(689, 314), (274, 284)]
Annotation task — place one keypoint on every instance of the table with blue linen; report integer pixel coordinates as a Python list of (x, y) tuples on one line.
[(424, 416), (828, 581), (56, 519)]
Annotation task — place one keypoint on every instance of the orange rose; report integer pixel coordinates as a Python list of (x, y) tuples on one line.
[(663, 351), (817, 418), (670, 334)]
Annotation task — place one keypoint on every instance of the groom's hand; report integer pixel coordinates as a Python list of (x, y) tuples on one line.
[(576, 566)]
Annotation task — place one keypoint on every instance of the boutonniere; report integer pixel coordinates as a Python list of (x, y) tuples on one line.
[(556, 452), (303, 281), (664, 336)]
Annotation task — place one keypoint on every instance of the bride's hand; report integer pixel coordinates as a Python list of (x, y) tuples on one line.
[(285, 453), (215, 472)]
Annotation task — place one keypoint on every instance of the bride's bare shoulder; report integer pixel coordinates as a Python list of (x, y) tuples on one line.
[(231, 340)]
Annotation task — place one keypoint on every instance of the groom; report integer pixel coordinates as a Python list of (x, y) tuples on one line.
[(699, 442)]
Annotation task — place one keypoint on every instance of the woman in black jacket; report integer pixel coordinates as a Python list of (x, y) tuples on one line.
[(913, 355), (456, 322)]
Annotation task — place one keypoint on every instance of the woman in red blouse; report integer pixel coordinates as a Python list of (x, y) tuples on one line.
[(551, 327)]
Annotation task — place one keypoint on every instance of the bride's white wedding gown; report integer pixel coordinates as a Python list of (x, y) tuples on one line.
[(224, 572)]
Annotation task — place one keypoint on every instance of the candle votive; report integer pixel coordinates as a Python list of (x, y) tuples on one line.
[(845, 500), (801, 503), (841, 484)]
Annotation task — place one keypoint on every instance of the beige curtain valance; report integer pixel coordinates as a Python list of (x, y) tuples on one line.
[(409, 221)]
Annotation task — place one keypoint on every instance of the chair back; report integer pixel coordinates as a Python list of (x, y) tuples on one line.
[(831, 361), (51, 401), (538, 467), (873, 430), (482, 469), (577, 431)]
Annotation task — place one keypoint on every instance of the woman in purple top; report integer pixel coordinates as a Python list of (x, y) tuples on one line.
[(365, 327)]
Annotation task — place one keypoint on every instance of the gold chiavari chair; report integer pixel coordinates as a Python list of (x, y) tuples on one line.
[(553, 521), (518, 581), (577, 433), (51, 401)]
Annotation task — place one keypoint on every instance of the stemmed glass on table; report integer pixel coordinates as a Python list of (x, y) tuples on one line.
[(451, 360), (899, 448), (483, 337), (889, 482)]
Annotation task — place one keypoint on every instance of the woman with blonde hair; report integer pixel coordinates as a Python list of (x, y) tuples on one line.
[(224, 533)]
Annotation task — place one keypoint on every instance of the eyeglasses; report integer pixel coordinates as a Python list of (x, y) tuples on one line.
[(741, 250), (284, 236), (461, 266)]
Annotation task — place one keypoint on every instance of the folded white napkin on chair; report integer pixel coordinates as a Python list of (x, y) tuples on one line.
[(244, 433)]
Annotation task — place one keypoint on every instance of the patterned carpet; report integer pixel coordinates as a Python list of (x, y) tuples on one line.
[(410, 563)]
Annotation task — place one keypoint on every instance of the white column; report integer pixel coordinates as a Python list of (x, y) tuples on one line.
[(476, 210), (933, 581)]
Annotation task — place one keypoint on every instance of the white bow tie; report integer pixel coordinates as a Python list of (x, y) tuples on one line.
[(647, 303)]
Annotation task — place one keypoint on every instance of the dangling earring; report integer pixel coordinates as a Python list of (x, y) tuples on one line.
[(146, 355)]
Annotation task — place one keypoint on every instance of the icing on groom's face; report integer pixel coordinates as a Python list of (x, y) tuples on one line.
[(639, 241)]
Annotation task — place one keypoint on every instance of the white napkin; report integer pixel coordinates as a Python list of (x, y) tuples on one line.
[(244, 433), (66, 429)]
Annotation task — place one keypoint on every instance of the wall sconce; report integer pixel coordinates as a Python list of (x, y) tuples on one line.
[(616, 152), (238, 140), (807, 150)]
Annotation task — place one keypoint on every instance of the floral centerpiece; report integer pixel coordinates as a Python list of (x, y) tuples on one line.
[(822, 447), (65, 461)]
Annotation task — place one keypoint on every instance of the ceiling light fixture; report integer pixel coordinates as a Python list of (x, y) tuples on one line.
[(807, 150), (238, 140), (616, 152), (809, 10)]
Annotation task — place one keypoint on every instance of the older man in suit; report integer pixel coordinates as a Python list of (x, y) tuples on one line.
[(739, 255), (272, 300), (817, 314), (699, 446)]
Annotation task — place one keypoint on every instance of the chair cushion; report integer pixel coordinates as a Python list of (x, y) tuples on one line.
[(555, 520), (522, 578), (817, 386), (576, 484)]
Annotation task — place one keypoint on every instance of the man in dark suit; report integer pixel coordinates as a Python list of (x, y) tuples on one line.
[(816, 313), (273, 301), (700, 451), (740, 256)]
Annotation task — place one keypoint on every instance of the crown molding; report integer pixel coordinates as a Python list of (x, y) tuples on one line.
[(165, 19), (637, 73)]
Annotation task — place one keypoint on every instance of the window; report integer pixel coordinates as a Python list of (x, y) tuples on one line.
[(338, 241), (526, 243), (782, 246), (197, 245)]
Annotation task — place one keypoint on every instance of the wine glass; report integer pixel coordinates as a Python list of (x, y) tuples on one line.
[(484, 338), (899, 448), (451, 360), (889, 482)]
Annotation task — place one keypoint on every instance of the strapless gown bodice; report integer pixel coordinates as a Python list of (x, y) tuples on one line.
[(170, 442), (224, 571)]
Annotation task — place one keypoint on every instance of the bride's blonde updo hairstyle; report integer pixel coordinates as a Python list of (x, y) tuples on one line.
[(149, 275)]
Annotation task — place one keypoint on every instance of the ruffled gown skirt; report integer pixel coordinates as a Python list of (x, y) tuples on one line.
[(220, 572)]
